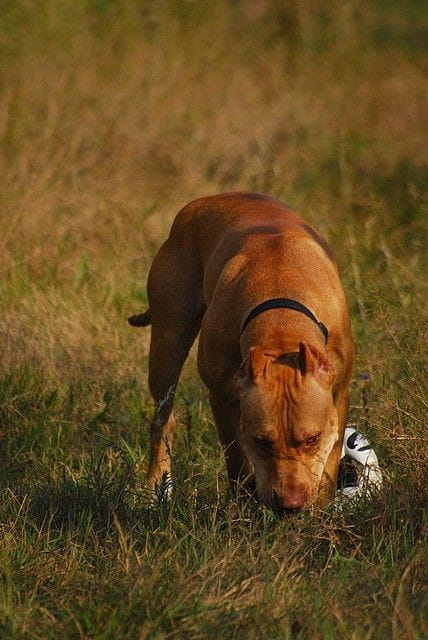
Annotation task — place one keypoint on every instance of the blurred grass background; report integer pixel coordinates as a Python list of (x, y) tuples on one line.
[(113, 115)]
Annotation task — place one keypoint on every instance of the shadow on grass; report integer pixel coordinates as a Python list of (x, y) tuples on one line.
[(383, 527), (95, 499)]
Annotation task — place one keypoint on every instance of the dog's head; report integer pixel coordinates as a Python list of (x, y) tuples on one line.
[(288, 423)]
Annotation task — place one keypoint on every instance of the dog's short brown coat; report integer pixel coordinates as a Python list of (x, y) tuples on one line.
[(278, 393)]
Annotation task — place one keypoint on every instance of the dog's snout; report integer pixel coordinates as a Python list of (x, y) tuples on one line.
[(290, 501)]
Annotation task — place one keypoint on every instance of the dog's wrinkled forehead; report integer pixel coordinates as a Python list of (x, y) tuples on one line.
[(288, 391), (308, 411), (287, 405)]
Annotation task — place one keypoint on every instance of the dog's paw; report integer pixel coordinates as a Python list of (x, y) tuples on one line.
[(160, 491)]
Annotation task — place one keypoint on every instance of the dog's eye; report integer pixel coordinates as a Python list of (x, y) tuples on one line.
[(263, 443), (313, 440)]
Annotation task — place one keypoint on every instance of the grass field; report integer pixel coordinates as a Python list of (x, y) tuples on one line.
[(113, 115)]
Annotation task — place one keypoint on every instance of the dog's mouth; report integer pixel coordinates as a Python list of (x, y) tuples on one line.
[(284, 512), (287, 504)]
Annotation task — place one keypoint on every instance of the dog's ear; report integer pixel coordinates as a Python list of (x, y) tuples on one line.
[(258, 363), (252, 369), (312, 362)]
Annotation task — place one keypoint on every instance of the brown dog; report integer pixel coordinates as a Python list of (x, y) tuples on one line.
[(275, 349)]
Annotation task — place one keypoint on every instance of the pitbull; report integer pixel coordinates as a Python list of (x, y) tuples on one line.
[(275, 348)]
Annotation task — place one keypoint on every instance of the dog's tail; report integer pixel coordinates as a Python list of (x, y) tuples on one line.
[(141, 320)]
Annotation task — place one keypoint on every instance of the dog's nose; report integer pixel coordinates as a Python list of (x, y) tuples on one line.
[(291, 501)]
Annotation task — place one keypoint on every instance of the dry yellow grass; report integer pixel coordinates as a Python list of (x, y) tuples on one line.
[(111, 121)]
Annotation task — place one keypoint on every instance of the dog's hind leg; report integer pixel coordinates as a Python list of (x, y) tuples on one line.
[(176, 307)]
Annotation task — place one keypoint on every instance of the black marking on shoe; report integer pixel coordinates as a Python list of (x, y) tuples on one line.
[(351, 442)]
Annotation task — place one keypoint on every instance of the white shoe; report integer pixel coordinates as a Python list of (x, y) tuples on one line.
[(352, 483)]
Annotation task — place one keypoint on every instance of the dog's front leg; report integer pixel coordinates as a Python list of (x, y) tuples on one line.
[(329, 479), (227, 416)]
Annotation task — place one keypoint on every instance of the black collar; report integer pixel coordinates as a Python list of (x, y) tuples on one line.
[(284, 303)]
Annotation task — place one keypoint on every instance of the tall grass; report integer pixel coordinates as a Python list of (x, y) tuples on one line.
[(113, 115)]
